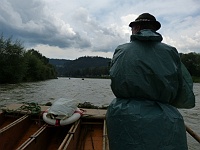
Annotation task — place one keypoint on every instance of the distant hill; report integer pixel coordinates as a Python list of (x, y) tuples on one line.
[(58, 62), (86, 66), (59, 65)]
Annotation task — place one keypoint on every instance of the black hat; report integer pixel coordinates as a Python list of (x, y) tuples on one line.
[(146, 18)]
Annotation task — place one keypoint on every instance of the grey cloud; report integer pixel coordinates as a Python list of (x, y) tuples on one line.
[(103, 39), (95, 26), (33, 23), (184, 33)]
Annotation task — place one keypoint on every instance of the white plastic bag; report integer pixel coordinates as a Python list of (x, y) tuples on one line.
[(62, 108)]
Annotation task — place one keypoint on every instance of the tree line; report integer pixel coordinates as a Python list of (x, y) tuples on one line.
[(192, 63), (88, 66), (99, 67), (20, 65)]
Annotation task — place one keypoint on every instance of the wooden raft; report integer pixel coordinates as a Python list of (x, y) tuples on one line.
[(89, 132)]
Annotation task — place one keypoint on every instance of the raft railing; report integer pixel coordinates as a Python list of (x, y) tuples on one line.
[(192, 133)]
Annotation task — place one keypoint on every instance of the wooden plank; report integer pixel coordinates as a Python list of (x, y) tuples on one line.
[(5, 120), (28, 142), (10, 134), (94, 137), (105, 137), (47, 137), (90, 135), (2, 118), (16, 108), (70, 141), (94, 113), (91, 113)]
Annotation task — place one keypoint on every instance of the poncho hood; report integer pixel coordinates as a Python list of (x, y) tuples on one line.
[(147, 35)]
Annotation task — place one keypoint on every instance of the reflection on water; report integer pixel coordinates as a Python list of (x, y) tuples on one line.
[(96, 91)]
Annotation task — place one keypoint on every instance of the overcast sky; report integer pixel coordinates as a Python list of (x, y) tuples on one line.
[(69, 29)]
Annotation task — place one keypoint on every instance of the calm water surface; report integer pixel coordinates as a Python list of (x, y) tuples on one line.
[(96, 91)]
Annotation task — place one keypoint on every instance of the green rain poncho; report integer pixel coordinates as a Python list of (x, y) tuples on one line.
[(150, 83)]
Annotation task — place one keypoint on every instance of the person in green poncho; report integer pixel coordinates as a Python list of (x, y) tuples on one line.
[(150, 83)]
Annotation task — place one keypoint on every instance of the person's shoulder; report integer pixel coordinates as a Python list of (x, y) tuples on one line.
[(122, 46), (167, 46)]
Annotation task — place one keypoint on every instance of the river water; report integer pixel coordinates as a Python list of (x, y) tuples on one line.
[(96, 91)]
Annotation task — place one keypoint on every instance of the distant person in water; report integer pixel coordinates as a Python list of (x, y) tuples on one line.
[(150, 83)]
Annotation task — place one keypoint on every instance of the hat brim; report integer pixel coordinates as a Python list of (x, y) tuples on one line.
[(156, 24)]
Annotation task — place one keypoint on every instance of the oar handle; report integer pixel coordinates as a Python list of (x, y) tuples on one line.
[(192, 133)]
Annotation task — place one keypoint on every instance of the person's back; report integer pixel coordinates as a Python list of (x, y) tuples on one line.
[(146, 69), (146, 79)]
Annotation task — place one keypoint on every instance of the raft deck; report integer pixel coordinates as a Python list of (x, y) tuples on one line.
[(89, 132)]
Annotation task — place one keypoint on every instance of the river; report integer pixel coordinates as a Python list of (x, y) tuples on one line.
[(95, 91)]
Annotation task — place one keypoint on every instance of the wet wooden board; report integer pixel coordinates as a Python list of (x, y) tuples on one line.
[(91, 113), (16, 108), (94, 113)]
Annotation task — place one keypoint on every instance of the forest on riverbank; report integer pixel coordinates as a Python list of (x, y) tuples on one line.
[(82, 67), (98, 67), (20, 65)]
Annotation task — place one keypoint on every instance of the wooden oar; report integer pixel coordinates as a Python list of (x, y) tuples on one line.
[(192, 133)]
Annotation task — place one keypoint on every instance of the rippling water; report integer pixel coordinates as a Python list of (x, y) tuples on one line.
[(96, 91)]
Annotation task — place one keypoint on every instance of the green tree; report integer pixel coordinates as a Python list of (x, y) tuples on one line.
[(192, 63), (38, 67), (12, 63), (18, 65)]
